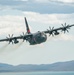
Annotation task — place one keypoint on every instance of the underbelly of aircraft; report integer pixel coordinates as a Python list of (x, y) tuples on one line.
[(35, 41)]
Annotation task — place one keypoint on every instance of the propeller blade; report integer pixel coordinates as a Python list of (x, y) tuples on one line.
[(68, 31), (50, 31), (12, 36), (49, 34), (9, 42), (52, 34), (23, 40), (65, 24), (23, 33), (52, 28), (65, 28), (49, 27), (62, 25), (9, 35), (64, 31), (12, 42)]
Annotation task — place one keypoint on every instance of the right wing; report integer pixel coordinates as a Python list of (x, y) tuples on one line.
[(55, 31)]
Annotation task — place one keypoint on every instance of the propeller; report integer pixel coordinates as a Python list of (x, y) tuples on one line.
[(10, 38), (50, 31), (65, 28), (23, 34)]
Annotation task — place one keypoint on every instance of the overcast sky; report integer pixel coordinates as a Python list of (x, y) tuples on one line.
[(40, 15)]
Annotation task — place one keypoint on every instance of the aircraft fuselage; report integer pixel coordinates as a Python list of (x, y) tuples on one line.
[(37, 38)]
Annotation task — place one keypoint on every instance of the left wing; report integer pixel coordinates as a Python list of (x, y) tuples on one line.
[(53, 31), (15, 39)]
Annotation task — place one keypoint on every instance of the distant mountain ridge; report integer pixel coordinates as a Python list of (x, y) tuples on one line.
[(59, 66)]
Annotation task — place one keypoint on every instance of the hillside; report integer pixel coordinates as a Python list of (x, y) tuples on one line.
[(59, 66)]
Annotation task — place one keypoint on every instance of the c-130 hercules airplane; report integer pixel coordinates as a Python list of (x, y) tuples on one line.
[(38, 37)]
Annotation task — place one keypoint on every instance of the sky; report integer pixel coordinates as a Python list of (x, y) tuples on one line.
[(40, 15)]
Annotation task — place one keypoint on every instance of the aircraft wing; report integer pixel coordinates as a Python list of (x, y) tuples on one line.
[(53, 31), (11, 38)]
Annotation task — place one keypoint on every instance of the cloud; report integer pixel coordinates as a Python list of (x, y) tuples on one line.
[(21, 0), (50, 18), (64, 1), (42, 1), (47, 1), (11, 24), (41, 6)]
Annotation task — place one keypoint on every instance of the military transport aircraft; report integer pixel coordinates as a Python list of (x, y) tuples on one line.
[(38, 37)]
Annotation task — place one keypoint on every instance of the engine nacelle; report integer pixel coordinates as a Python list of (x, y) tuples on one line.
[(56, 33), (16, 41)]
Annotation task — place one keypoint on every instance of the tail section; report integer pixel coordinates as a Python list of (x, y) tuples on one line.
[(27, 27)]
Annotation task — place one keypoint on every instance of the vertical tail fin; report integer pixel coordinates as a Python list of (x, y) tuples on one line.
[(27, 27)]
